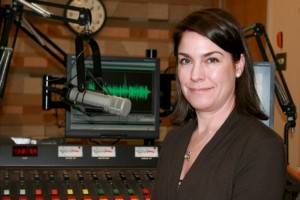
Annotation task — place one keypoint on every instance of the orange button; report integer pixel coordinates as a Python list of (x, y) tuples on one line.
[(119, 198), (147, 197), (102, 198), (55, 198), (133, 198), (71, 198), (87, 198)]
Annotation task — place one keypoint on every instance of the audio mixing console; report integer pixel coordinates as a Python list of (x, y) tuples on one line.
[(29, 172)]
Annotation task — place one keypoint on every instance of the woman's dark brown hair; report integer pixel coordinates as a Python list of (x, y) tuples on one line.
[(224, 30)]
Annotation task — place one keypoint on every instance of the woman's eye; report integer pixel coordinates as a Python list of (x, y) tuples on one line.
[(212, 60), (184, 61)]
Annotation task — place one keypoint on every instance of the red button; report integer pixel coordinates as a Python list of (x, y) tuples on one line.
[(145, 191), (5, 198), (39, 198), (38, 192), (22, 198), (54, 192), (71, 198), (55, 198)]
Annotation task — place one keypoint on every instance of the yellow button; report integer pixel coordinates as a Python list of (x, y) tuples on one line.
[(85, 191), (70, 191)]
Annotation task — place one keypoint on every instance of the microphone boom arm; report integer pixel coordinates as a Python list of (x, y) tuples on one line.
[(13, 14), (281, 89), (84, 17)]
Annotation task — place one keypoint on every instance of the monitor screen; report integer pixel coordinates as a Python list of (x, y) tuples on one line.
[(265, 87), (129, 77)]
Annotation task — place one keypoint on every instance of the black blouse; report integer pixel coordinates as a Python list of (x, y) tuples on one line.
[(245, 160)]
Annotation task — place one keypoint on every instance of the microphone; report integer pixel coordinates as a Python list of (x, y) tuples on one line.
[(111, 104)]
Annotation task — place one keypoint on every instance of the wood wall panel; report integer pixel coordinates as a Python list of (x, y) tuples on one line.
[(132, 27), (248, 13)]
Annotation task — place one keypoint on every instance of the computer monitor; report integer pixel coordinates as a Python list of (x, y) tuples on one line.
[(130, 77), (265, 87)]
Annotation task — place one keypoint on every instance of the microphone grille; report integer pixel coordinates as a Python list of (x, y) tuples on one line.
[(120, 106)]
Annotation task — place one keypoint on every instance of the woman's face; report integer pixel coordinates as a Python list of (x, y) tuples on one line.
[(206, 73)]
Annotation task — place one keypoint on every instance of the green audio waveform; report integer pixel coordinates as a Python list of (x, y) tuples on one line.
[(91, 86), (135, 92)]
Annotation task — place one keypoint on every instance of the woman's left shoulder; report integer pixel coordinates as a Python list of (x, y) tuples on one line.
[(262, 136), (258, 132)]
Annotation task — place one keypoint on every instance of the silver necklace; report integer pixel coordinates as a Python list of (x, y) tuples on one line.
[(188, 153)]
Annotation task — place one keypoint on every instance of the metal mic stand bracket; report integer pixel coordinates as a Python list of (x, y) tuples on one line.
[(281, 89), (14, 15), (84, 17), (80, 65), (9, 14)]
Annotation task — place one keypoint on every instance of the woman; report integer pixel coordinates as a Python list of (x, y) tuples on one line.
[(220, 149)]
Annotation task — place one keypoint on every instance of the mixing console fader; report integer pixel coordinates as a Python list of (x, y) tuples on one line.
[(27, 173)]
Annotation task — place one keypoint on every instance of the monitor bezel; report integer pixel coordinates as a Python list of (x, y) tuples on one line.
[(116, 134), (267, 70)]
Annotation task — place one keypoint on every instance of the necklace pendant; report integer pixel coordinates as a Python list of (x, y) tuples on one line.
[(187, 156)]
